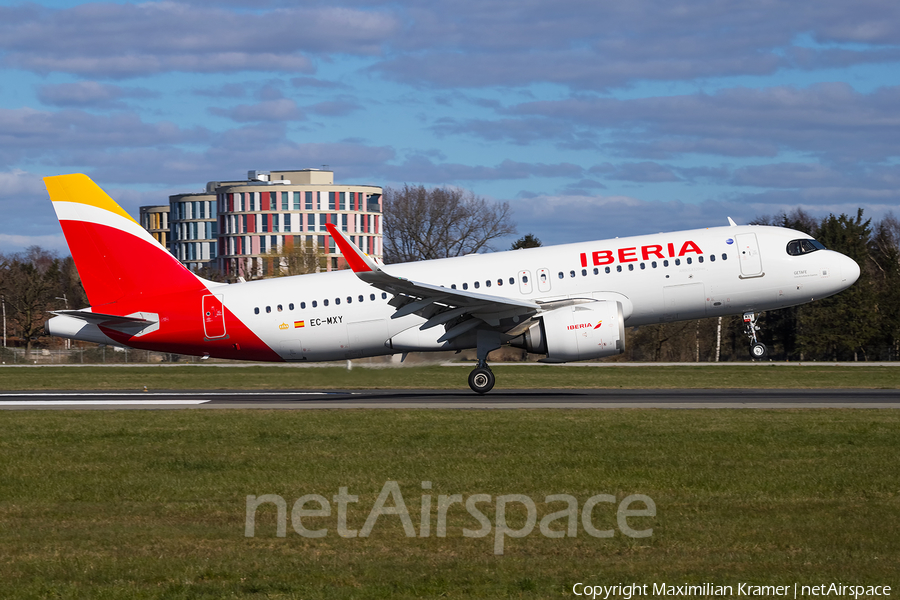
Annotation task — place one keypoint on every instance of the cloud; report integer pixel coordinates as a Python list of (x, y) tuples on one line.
[(642, 172), (604, 46), (89, 94), (27, 134), (829, 120), (265, 111), (334, 108), (127, 40), (420, 169)]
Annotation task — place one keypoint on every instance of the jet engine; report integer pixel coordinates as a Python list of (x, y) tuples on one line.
[(576, 332)]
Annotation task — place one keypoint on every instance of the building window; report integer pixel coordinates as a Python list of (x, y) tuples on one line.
[(309, 200), (331, 200)]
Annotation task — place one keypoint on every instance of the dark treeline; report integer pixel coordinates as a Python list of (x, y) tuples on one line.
[(860, 323)]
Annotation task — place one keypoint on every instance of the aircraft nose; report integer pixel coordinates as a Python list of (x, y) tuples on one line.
[(849, 270)]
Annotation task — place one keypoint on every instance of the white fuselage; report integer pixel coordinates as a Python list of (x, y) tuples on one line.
[(657, 278)]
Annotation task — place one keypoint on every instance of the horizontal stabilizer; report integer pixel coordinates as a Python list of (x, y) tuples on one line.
[(102, 319)]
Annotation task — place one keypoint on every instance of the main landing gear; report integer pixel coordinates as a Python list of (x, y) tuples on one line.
[(757, 349), (481, 379)]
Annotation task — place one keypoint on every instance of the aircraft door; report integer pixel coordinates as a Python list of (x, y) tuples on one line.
[(213, 317), (525, 282), (543, 280), (751, 262)]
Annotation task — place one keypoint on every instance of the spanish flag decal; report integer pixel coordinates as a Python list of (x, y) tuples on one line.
[(298, 324)]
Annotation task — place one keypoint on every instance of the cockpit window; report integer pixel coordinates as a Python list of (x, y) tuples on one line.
[(798, 247)]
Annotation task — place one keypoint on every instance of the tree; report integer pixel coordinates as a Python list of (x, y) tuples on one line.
[(422, 224), (884, 253), (844, 325), (297, 259), (30, 282), (526, 241)]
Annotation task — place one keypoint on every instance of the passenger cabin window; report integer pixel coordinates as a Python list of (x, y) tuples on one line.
[(798, 247), (477, 285)]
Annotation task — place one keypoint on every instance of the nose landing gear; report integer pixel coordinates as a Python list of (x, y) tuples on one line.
[(758, 350)]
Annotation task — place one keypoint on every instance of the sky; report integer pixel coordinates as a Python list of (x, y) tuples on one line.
[(592, 118)]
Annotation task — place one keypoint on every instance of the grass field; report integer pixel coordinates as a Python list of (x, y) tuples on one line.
[(151, 504), (437, 377)]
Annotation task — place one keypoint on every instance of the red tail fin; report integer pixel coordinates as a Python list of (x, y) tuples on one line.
[(115, 256)]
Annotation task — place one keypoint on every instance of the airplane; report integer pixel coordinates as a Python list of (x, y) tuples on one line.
[(568, 302)]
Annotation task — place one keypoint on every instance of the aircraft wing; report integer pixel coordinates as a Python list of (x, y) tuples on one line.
[(461, 310)]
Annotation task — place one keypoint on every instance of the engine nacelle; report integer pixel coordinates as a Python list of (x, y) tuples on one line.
[(577, 332)]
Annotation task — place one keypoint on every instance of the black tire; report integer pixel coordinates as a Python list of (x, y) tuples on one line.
[(758, 351), (481, 380)]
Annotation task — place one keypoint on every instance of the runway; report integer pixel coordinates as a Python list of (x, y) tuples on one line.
[(452, 399)]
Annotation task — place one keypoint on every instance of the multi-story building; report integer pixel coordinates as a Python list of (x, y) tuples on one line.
[(193, 238), (155, 219), (274, 212)]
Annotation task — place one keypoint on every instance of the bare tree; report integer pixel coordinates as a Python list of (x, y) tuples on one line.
[(29, 282), (297, 259), (422, 224)]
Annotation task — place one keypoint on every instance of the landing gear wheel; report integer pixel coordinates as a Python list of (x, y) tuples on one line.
[(481, 380), (758, 350)]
